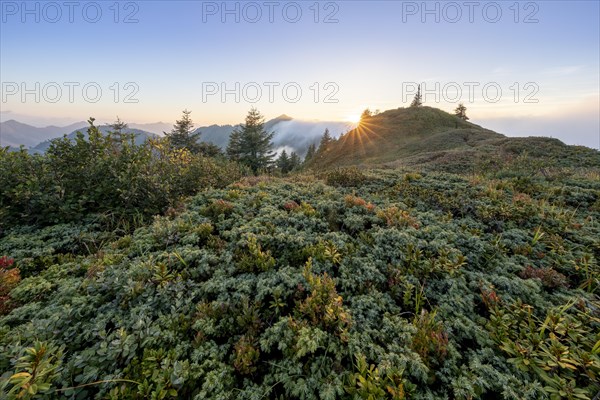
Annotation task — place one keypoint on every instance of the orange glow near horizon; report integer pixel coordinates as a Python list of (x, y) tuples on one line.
[(362, 136)]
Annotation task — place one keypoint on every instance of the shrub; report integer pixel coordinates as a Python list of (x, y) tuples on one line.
[(9, 279), (430, 341), (106, 175), (254, 259), (323, 306), (561, 348), (548, 276), (368, 382), (246, 355), (346, 177), (35, 371), (393, 216), (354, 201), (6, 262), (290, 205), (191, 307), (218, 207)]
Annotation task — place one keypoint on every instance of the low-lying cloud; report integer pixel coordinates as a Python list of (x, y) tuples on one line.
[(575, 128), (298, 135)]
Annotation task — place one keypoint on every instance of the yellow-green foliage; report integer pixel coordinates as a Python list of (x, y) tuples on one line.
[(323, 306), (562, 348), (34, 371), (368, 382), (255, 259)]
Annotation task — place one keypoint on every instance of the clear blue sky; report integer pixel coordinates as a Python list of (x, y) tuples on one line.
[(370, 57)]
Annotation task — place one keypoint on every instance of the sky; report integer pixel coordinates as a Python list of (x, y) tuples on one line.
[(520, 67)]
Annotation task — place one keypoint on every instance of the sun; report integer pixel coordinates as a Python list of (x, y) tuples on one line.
[(355, 119)]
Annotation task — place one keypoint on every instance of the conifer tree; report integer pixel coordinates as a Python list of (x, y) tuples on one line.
[(326, 140), (366, 114), (283, 162), (417, 101), (295, 161), (251, 144), (117, 128), (310, 153), (183, 136), (461, 112), (234, 148), (209, 149)]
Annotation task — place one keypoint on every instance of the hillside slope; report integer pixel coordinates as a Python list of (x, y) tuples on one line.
[(430, 137)]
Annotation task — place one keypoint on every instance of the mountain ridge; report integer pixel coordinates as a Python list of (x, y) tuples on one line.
[(430, 137), (292, 134), (140, 137), (14, 133)]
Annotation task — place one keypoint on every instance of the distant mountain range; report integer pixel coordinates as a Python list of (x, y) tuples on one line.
[(14, 133), (290, 134), (140, 137)]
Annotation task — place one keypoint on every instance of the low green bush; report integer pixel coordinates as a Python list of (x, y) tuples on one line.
[(441, 286), (120, 182)]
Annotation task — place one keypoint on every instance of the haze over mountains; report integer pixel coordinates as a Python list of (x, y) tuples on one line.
[(424, 136), (14, 133), (291, 134), (140, 137)]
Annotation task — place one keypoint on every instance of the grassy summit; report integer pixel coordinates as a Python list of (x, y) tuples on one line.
[(429, 137)]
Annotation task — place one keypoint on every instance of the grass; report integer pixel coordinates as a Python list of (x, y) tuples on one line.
[(435, 140)]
